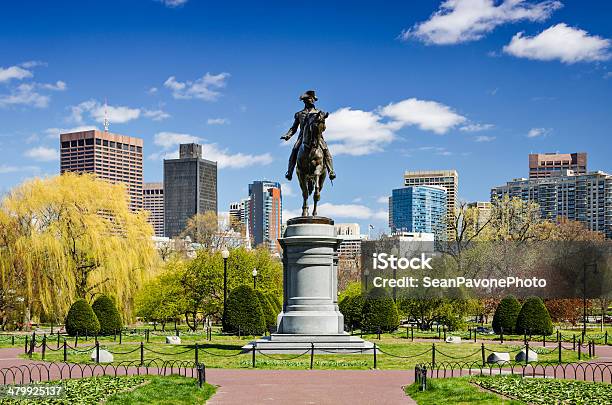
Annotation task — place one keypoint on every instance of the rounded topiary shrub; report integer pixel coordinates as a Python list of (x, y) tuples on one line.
[(379, 311), (505, 316), (107, 314), (351, 307), (244, 313), (276, 302), (534, 318), (268, 311), (81, 319)]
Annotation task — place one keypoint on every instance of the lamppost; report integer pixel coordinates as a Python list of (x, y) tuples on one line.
[(254, 279), (366, 273), (225, 255)]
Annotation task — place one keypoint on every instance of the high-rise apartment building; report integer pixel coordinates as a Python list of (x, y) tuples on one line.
[(153, 200), (579, 197), (546, 164), (112, 157), (190, 188), (350, 246), (449, 179), (419, 209), (265, 208)]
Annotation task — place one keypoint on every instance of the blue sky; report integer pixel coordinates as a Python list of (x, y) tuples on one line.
[(471, 85)]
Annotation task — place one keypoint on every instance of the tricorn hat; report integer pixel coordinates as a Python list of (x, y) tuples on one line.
[(309, 93)]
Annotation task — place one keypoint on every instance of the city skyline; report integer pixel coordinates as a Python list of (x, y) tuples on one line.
[(395, 103)]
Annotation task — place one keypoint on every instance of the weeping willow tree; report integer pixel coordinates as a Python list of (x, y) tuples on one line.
[(73, 236)]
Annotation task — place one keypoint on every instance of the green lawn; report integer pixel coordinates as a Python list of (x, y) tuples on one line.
[(123, 390), (455, 391), (223, 352)]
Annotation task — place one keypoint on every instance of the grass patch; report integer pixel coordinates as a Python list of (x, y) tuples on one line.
[(165, 390), (547, 391), (455, 391)]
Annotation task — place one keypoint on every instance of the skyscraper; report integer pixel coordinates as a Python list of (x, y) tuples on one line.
[(153, 194), (579, 197), (265, 214), (419, 209), (546, 164), (449, 179), (112, 157), (190, 188)]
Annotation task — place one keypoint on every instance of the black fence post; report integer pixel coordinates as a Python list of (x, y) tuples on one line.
[(311, 354), (254, 347), (201, 374), (120, 336), (12, 340), (58, 340), (375, 362), (44, 346), (526, 352), (196, 354), (593, 349), (579, 350), (501, 334), (544, 340), (560, 350), (474, 334), (97, 352), (482, 351), (65, 351), (433, 355), (147, 332), (25, 348), (406, 332), (76, 339), (606, 338), (412, 333), (176, 331), (141, 352), (574, 342)]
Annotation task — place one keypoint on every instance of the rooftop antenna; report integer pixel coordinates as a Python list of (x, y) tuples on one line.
[(105, 116)]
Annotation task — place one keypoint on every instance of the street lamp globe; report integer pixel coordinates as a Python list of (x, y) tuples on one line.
[(254, 272), (225, 253)]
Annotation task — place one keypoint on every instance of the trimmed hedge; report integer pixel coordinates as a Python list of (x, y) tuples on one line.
[(107, 314), (379, 311), (505, 316), (244, 312), (534, 318), (81, 319), (351, 307), (268, 310)]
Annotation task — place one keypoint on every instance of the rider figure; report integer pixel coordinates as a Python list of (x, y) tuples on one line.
[(301, 119)]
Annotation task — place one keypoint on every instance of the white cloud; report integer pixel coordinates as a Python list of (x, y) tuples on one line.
[(55, 132), (290, 213), (536, 132), (152, 90), (427, 115), (24, 94), (5, 169), (14, 72), (205, 88), (115, 114), (43, 154), (156, 115), (173, 3), (356, 211), (459, 21), (475, 127), (58, 86), (484, 138), (287, 190), (217, 121), (358, 132), (567, 44), (169, 142), (383, 199)]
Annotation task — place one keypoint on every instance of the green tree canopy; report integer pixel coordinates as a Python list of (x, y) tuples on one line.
[(244, 313), (379, 311)]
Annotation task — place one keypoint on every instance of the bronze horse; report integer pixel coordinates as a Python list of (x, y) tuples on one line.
[(311, 169)]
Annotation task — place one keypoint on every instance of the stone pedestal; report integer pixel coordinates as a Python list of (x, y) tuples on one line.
[(310, 292)]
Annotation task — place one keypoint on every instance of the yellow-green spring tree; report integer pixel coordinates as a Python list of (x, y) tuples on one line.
[(73, 236)]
